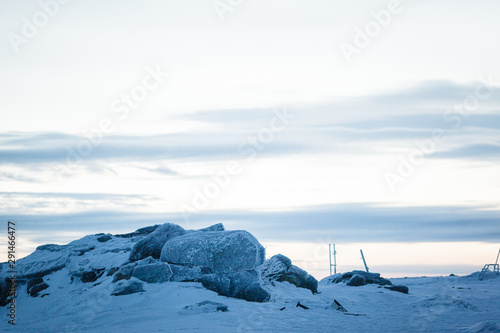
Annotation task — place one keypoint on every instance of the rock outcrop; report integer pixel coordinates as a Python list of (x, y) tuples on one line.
[(215, 251), (230, 263), (153, 273), (243, 284), (151, 245), (279, 269), (370, 278)]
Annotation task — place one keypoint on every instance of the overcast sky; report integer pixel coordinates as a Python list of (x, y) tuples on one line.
[(366, 124)]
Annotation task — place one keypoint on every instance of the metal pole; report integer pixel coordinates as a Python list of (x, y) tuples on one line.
[(330, 254), (496, 262), (364, 262), (335, 260)]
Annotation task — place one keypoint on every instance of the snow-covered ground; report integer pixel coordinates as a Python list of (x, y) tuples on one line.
[(434, 304)]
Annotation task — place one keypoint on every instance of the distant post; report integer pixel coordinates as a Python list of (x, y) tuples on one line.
[(334, 265), (364, 261)]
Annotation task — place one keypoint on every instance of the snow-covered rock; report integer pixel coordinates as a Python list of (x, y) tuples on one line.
[(242, 284), (126, 270), (215, 227), (275, 268), (370, 278), (219, 251), (356, 280), (203, 307), (186, 273), (128, 288), (152, 244), (153, 273), (279, 268), (41, 263)]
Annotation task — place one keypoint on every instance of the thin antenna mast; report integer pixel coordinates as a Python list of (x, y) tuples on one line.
[(364, 261), (334, 265)]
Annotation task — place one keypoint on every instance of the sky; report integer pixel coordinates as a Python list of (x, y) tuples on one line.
[(371, 125)]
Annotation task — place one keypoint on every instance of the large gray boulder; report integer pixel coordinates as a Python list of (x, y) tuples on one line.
[(216, 251), (152, 244), (126, 270), (153, 273), (186, 273), (275, 268), (242, 284)]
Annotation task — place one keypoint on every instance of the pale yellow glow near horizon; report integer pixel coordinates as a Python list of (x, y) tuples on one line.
[(390, 259), (426, 256)]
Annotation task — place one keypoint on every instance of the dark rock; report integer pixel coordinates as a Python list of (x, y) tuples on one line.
[(296, 276), (35, 290), (104, 238), (4, 292), (370, 278), (401, 289), (218, 283), (139, 232), (125, 271), (255, 293), (147, 230), (153, 273), (311, 284), (152, 244), (127, 288), (33, 282), (112, 271), (215, 227), (118, 250), (301, 278), (217, 251), (51, 247), (356, 280), (279, 268), (243, 284), (91, 276)]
